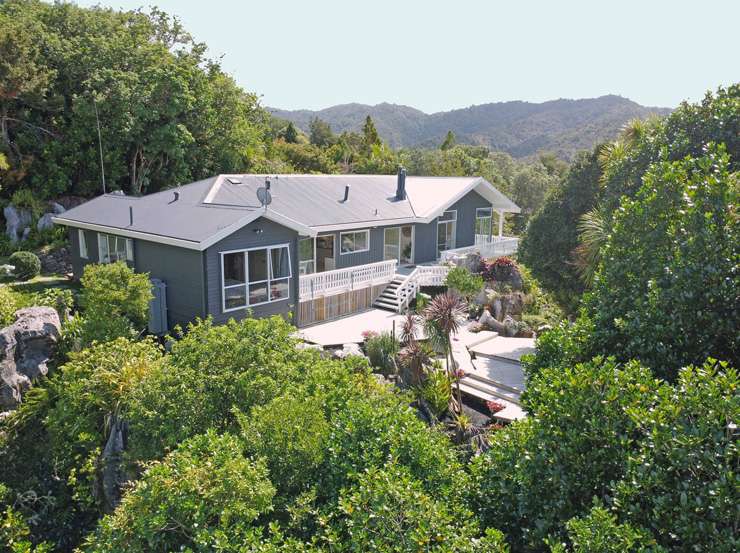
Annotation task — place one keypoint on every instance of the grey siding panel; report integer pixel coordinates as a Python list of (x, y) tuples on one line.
[(272, 234), (426, 235), (78, 263), (181, 270)]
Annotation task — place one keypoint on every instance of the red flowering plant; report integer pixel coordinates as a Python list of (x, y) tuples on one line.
[(495, 406), (367, 334), (499, 269)]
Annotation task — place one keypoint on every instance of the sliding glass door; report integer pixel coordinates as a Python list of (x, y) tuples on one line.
[(398, 244), (446, 230)]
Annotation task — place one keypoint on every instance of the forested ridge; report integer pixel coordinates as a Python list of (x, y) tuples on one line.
[(241, 438)]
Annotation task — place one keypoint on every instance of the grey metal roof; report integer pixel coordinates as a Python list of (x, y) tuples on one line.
[(207, 209)]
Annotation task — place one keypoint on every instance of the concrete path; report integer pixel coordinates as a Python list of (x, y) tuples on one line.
[(348, 330), (505, 348)]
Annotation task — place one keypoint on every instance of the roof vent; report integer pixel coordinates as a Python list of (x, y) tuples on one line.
[(267, 184), (346, 193), (401, 184), (176, 197), (234, 180)]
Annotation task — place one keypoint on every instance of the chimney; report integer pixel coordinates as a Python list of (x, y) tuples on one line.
[(346, 193), (401, 186), (130, 215)]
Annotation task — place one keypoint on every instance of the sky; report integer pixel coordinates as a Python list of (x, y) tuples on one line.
[(440, 55)]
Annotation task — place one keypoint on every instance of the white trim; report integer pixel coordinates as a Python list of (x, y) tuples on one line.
[(360, 225), (454, 230), (367, 241), (179, 242), (82, 244), (247, 282)]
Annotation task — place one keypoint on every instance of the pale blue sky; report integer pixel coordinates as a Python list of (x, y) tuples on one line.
[(436, 55)]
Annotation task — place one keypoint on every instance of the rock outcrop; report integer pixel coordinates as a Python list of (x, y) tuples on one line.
[(16, 222), (25, 349), (56, 262)]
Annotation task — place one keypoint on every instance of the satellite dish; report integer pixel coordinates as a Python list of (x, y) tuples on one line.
[(264, 196)]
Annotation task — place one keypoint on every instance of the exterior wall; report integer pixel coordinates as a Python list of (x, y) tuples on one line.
[(425, 241), (272, 234), (181, 269)]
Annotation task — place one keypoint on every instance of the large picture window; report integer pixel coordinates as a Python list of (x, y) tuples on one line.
[(306, 264), (112, 248), (446, 230), (354, 242), (256, 276)]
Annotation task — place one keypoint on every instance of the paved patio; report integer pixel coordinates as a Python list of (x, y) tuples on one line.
[(348, 330)]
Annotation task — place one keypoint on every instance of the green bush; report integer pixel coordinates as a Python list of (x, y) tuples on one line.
[(437, 390), (382, 349), (464, 282), (27, 265), (9, 304), (25, 199), (114, 289), (204, 496)]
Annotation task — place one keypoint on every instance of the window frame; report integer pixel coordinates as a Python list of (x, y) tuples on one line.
[(366, 232), (489, 217), (128, 248), (247, 282), (442, 220), (82, 243), (312, 261)]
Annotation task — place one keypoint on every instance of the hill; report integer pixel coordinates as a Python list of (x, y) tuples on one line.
[(519, 128)]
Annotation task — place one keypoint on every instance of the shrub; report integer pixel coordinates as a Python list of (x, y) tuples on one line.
[(381, 349), (25, 199), (437, 390), (464, 282), (501, 269), (9, 304), (388, 510), (115, 289), (27, 265), (204, 496)]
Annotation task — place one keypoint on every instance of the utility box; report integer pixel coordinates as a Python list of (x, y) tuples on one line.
[(158, 308)]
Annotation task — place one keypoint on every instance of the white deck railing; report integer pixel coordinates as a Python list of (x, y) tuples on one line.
[(423, 275), (337, 281), (486, 246)]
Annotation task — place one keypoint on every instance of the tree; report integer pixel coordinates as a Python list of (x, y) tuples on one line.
[(321, 134), (370, 135), (290, 134), (448, 142), (666, 290), (114, 289)]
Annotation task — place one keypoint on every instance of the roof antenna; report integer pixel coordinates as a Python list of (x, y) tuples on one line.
[(100, 143)]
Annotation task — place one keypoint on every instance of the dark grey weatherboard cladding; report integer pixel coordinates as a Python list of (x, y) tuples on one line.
[(425, 241), (181, 270), (249, 237)]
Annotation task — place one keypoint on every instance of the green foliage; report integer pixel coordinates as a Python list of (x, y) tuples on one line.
[(563, 346), (26, 200), (436, 390), (599, 532), (168, 113), (9, 304), (14, 531), (115, 290), (449, 141), (464, 282), (388, 510), (682, 482), (542, 471), (204, 496), (382, 349), (27, 265), (667, 289), (551, 237), (321, 134)]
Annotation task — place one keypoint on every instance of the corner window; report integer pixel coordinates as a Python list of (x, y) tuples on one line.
[(306, 264), (257, 276), (112, 248), (446, 231), (82, 241), (483, 220), (354, 242)]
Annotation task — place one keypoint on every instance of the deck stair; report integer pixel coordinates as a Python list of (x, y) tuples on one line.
[(487, 389), (389, 299)]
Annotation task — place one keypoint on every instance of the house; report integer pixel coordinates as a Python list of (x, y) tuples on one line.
[(314, 246)]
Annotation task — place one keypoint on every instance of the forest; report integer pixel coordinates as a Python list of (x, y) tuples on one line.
[(235, 438)]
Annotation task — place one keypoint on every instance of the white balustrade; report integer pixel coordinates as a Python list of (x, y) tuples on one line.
[(423, 275), (343, 280), (486, 246)]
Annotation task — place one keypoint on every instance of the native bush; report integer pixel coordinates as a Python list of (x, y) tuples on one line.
[(436, 390), (682, 482), (204, 496), (9, 304), (27, 265), (501, 269), (381, 350), (114, 289), (464, 282), (386, 509), (545, 470)]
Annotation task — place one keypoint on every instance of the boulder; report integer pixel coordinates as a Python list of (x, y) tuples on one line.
[(58, 209), (58, 262), (26, 233), (16, 221), (347, 351), (25, 349), (45, 222), (112, 477)]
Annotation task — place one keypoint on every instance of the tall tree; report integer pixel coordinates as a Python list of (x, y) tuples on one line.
[(290, 134), (370, 134), (449, 141), (320, 133)]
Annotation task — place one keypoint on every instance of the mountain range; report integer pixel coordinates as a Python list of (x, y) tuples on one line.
[(519, 128)]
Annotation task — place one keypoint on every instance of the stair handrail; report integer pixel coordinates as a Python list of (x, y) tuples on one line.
[(413, 281)]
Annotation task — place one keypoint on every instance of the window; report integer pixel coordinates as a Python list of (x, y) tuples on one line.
[(112, 248), (446, 230), (483, 220), (82, 239), (306, 264), (354, 242), (253, 277)]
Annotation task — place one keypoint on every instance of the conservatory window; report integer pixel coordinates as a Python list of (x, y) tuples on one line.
[(255, 276)]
